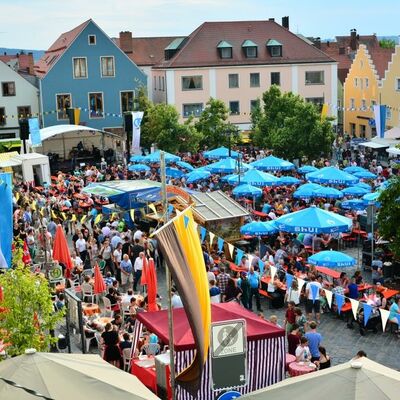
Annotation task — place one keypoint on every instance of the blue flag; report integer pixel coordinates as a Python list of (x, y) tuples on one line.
[(186, 221), (203, 232), (220, 244), (339, 302), (367, 312), (169, 211), (239, 255), (6, 216), (314, 291), (289, 281), (261, 266), (34, 131)]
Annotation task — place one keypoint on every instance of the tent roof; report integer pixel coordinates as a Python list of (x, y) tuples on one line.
[(17, 159), (70, 376), (256, 328), (55, 130), (370, 381), (393, 133), (393, 150)]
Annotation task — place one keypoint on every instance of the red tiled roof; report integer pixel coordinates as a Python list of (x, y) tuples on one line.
[(57, 49), (201, 46), (25, 61), (380, 58), (148, 50)]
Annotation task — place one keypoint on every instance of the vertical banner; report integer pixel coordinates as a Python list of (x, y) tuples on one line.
[(6, 216), (136, 122), (380, 120), (324, 111), (34, 131)]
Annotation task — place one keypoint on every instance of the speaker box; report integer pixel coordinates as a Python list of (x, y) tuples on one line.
[(24, 129)]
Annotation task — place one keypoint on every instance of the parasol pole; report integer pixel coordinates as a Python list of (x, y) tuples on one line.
[(168, 278)]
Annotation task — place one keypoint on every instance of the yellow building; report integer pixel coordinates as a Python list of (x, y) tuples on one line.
[(390, 90), (361, 89)]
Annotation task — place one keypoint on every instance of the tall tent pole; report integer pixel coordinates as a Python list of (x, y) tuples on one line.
[(168, 278)]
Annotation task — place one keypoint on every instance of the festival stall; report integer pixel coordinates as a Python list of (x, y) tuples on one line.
[(265, 347)]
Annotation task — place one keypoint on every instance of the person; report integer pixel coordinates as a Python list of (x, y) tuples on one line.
[(244, 284), (112, 296), (394, 313), (254, 280), (117, 321), (138, 267), (111, 340), (293, 339), (290, 317), (81, 248), (314, 340), (324, 359), (353, 289), (301, 320), (232, 292), (377, 271), (274, 320), (274, 289), (222, 281), (244, 263), (313, 295), (293, 294), (302, 351), (126, 343), (210, 274), (126, 271), (215, 292), (176, 299), (117, 258), (359, 354)]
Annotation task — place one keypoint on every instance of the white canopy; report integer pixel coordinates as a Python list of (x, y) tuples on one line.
[(393, 133), (374, 145), (393, 150)]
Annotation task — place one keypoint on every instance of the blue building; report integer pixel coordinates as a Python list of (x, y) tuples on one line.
[(85, 69)]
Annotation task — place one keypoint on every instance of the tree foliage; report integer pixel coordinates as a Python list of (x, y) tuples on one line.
[(387, 43), (27, 313), (214, 127), (291, 127), (389, 215)]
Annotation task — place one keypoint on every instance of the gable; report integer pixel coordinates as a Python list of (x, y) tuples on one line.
[(8, 74)]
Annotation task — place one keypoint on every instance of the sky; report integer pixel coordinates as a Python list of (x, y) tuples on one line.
[(35, 24)]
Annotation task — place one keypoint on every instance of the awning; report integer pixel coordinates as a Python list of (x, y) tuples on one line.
[(374, 145), (393, 150), (10, 163)]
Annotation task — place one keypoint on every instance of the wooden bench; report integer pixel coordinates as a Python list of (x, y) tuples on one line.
[(264, 293)]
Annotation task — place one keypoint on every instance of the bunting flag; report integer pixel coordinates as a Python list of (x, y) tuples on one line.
[(16, 197), (354, 307), (328, 295), (220, 244), (273, 270), (132, 214), (153, 208), (98, 219), (261, 266), (83, 219), (301, 283), (367, 312), (203, 232), (339, 302), (64, 216), (314, 291), (231, 249), (42, 211), (73, 218), (33, 205), (53, 215), (250, 257), (239, 255), (384, 317), (170, 210), (212, 236), (180, 245), (289, 280), (195, 224), (324, 111)]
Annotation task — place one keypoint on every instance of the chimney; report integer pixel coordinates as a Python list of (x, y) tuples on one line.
[(353, 39), (31, 63), (285, 22), (125, 42), (342, 50), (271, 19), (317, 42)]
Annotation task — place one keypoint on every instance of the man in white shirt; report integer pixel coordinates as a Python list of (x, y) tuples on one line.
[(176, 299), (138, 267), (81, 247), (138, 235), (313, 290)]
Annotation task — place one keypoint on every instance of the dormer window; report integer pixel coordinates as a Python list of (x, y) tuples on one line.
[(250, 49), (92, 40), (275, 48), (224, 49)]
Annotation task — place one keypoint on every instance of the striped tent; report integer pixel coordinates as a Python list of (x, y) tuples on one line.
[(265, 347)]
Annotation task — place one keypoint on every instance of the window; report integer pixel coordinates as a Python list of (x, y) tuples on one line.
[(163, 84), (397, 84), (3, 120), (255, 79), (233, 80), (373, 103), (127, 101), (317, 101), (24, 112), (8, 88), (355, 82), (352, 104), (352, 129), (194, 109), (251, 52), (234, 107), (96, 107), (192, 82), (314, 77), (63, 101), (92, 40), (155, 83), (107, 67), (388, 113), (80, 68), (361, 84), (226, 52), (159, 83), (366, 83), (254, 105), (276, 51), (363, 130), (363, 104), (275, 78)]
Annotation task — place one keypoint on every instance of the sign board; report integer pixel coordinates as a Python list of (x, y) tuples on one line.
[(228, 353), (371, 211)]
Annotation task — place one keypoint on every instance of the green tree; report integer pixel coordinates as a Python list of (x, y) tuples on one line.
[(27, 310), (389, 215), (291, 127), (214, 126), (163, 128), (387, 43)]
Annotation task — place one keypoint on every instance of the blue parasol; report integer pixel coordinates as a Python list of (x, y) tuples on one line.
[(272, 163), (220, 152), (247, 191), (255, 178), (365, 175), (288, 181), (137, 158), (227, 166), (174, 172), (185, 165), (327, 193), (306, 169), (305, 191), (139, 168), (155, 158), (354, 204), (331, 259), (197, 175), (258, 228), (355, 191), (332, 176)]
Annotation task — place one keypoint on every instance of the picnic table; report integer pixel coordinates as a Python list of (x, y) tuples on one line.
[(90, 309), (301, 368)]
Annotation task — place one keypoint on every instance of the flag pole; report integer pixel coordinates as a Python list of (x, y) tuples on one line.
[(168, 278)]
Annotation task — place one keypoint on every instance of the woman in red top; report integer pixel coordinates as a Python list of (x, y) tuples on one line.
[(290, 317), (293, 339)]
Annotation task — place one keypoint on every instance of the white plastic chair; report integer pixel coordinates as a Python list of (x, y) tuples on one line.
[(108, 312), (125, 310), (126, 356), (100, 344), (88, 340), (87, 292)]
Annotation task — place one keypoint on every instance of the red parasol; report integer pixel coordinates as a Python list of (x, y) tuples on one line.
[(151, 280), (143, 280), (61, 250), (99, 284), (1, 294), (26, 256)]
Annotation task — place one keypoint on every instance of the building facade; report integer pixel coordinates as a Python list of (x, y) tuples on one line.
[(85, 69)]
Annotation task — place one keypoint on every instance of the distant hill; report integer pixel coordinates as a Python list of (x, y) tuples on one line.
[(37, 54)]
